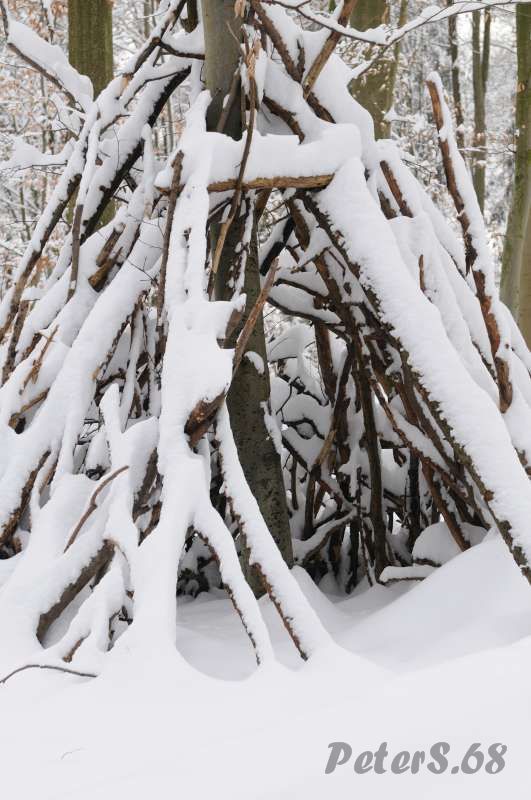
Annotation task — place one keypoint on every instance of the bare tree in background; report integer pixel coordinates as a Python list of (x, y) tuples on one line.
[(481, 25)]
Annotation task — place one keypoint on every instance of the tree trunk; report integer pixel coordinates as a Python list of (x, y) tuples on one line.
[(480, 74), (456, 79), (524, 317), (369, 14), (90, 51), (375, 89), (249, 393), (90, 40), (516, 269)]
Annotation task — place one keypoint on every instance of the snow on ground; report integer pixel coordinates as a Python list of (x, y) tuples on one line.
[(444, 660)]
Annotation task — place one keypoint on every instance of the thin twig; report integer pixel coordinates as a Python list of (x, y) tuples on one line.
[(92, 506), (67, 670), (172, 204)]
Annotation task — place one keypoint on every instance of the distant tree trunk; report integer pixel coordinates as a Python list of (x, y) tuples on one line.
[(391, 80), (90, 40), (249, 393), (147, 17), (369, 14), (516, 268), (480, 76), (375, 89), (456, 79)]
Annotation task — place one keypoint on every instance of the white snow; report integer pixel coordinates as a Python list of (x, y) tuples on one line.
[(446, 661), (436, 545), (180, 708)]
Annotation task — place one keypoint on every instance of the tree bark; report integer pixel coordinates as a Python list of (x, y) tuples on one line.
[(369, 14), (90, 46), (375, 89), (453, 46), (90, 51), (372, 90), (524, 317), (480, 75), (516, 268), (248, 397)]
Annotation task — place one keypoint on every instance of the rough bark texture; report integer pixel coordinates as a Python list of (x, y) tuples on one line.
[(222, 34), (249, 392), (90, 40), (90, 51), (516, 269)]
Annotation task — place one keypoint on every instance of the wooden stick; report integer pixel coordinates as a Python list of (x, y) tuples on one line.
[(501, 364), (328, 47), (204, 412), (172, 204), (55, 667), (92, 506), (252, 319)]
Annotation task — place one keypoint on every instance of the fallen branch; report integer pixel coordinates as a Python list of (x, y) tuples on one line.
[(53, 667)]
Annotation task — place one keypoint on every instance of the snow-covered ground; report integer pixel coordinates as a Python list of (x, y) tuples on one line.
[(444, 660)]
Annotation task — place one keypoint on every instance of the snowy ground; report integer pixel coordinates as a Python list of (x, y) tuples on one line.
[(445, 660)]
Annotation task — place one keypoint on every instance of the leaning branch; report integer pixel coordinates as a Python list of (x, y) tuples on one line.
[(464, 200)]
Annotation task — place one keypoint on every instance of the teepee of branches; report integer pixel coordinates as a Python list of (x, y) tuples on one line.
[(401, 395)]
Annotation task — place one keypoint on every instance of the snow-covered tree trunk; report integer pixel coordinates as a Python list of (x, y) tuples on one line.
[(249, 395)]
